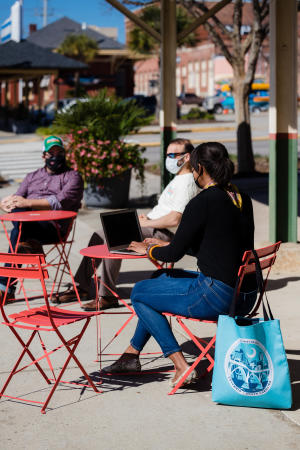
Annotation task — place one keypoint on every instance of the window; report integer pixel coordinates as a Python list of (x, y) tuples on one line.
[(204, 74), (191, 76)]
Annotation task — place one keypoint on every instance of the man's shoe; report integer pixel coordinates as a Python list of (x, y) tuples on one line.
[(102, 304), (10, 297), (128, 362), (30, 246), (69, 296)]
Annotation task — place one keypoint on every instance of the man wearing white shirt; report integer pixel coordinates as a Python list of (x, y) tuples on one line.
[(166, 214)]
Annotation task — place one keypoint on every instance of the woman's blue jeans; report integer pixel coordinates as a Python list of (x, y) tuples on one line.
[(181, 292)]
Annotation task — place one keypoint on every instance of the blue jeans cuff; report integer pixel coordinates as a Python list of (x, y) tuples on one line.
[(135, 346), (170, 352), (3, 288)]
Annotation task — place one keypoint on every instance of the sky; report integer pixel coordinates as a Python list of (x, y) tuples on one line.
[(93, 12)]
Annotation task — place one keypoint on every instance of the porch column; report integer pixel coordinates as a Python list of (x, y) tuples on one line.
[(167, 82), (283, 178)]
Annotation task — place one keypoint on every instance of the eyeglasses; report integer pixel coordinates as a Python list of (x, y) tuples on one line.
[(173, 155)]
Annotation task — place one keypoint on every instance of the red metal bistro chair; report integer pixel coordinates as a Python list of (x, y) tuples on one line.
[(267, 256), (39, 319)]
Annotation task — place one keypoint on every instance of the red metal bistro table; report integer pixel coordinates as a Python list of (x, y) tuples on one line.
[(52, 216)]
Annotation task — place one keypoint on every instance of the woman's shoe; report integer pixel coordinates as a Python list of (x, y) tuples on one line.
[(190, 378), (128, 362)]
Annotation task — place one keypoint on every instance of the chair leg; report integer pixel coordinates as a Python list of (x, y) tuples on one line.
[(63, 261), (71, 356), (25, 350), (204, 353)]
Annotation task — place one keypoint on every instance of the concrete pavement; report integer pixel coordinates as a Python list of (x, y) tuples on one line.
[(136, 412)]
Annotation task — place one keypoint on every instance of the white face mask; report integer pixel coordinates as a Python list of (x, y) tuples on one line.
[(172, 165)]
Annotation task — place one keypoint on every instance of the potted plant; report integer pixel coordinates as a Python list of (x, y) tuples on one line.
[(96, 146)]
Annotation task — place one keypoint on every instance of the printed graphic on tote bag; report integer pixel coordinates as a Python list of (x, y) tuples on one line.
[(248, 367)]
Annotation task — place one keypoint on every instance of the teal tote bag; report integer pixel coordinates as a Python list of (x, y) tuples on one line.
[(251, 367)]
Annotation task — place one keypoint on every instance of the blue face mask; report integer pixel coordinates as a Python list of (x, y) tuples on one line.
[(172, 165)]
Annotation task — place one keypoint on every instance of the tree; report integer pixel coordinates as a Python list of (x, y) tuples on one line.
[(236, 46), (81, 48), (142, 42)]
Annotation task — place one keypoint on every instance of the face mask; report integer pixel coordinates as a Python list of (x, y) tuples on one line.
[(196, 180), (172, 165), (55, 163)]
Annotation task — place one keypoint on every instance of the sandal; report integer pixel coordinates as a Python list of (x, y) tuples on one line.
[(190, 378)]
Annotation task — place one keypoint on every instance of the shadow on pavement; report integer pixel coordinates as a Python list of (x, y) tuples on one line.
[(280, 283), (294, 366)]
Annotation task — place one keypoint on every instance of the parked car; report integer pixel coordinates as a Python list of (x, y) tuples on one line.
[(147, 102), (190, 98), (64, 105), (49, 108), (213, 103), (225, 101)]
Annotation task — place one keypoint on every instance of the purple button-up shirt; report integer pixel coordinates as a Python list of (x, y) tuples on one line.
[(62, 191)]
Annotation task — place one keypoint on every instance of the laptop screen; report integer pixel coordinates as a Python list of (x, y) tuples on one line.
[(120, 228)]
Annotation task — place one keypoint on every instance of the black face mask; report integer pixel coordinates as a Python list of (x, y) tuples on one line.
[(56, 163), (196, 181)]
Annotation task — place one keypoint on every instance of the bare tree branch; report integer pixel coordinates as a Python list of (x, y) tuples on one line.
[(217, 22), (219, 42), (255, 46)]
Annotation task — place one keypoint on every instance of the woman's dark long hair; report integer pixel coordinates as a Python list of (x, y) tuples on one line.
[(214, 157)]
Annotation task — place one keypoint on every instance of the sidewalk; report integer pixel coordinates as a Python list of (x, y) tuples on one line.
[(136, 412)]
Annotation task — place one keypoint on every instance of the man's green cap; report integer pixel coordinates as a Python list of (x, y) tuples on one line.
[(50, 141)]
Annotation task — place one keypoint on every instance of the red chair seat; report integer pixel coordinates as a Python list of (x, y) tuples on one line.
[(40, 317)]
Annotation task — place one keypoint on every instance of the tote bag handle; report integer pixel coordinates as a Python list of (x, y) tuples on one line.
[(259, 279)]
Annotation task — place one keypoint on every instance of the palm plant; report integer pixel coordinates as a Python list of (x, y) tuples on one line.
[(79, 47), (142, 42), (94, 130), (105, 116)]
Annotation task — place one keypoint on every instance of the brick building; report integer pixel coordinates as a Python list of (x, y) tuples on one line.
[(199, 69)]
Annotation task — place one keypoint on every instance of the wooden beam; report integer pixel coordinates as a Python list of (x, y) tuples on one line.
[(134, 18), (21, 73), (202, 19)]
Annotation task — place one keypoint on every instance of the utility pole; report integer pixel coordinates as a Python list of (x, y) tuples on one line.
[(45, 13)]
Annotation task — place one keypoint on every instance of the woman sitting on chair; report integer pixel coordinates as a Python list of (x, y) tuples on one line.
[(217, 226)]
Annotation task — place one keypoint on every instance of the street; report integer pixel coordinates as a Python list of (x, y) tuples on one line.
[(20, 154)]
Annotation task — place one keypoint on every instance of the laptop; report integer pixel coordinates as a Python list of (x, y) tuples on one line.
[(120, 229)]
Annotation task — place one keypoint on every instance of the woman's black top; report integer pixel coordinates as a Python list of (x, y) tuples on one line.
[(217, 233)]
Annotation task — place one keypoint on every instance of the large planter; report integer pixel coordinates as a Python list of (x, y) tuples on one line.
[(113, 192)]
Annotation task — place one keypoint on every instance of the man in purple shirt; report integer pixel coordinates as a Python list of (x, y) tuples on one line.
[(54, 186)]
